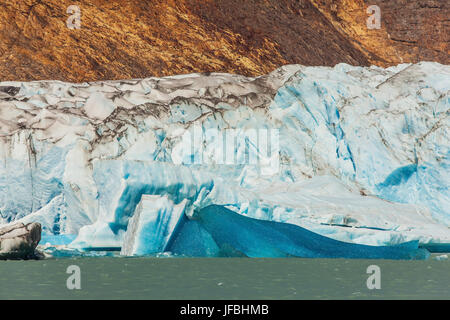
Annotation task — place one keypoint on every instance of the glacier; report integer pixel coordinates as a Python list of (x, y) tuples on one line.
[(361, 156)]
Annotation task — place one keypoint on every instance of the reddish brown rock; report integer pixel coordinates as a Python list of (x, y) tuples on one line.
[(411, 31), (136, 39)]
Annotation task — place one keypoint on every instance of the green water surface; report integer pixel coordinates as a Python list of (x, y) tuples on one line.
[(223, 278)]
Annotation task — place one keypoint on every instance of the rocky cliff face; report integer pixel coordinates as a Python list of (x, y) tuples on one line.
[(138, 39), (411, 31)]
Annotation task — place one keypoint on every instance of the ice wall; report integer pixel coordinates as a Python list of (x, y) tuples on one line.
[(363, 153)]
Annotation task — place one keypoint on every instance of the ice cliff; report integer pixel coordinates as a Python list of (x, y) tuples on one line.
[(355, 154)]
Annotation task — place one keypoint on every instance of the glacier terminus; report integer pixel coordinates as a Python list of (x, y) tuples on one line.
[(346, 162)]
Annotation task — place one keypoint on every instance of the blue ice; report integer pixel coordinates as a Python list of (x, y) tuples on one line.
[(218, 231)]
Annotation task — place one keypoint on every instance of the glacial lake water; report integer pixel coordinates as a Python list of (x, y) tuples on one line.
[(223, 278)]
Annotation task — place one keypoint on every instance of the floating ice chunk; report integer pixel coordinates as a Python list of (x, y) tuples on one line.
[(152, 225), (441, 257)]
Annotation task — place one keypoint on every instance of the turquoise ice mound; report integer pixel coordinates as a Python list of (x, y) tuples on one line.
[(216, 231)]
